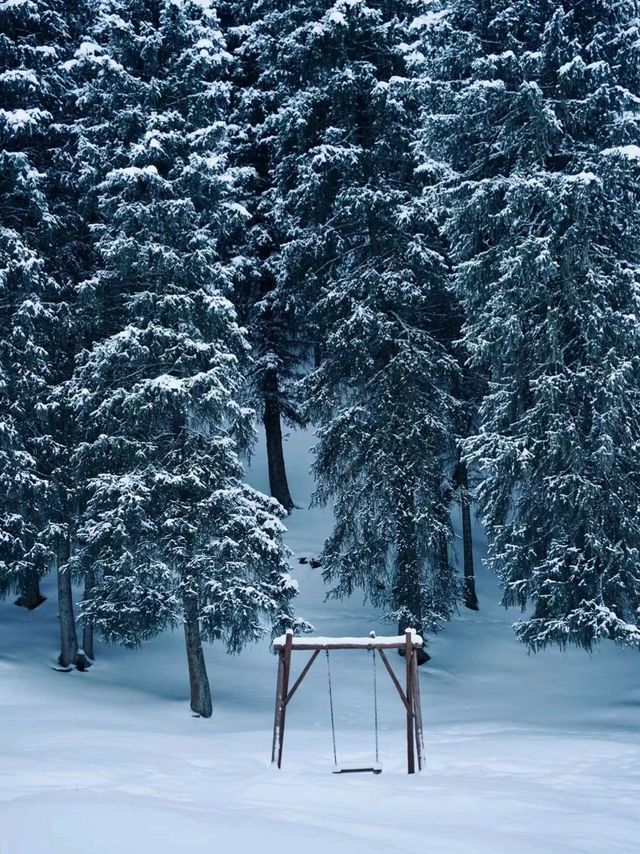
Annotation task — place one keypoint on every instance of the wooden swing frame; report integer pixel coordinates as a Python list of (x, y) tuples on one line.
[(410, 643)]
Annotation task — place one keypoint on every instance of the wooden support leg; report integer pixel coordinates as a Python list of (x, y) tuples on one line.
[(411, 763), (417, 711), (286, 670), (275, 746)]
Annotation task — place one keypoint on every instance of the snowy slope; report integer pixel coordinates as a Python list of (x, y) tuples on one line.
[(532, 754)]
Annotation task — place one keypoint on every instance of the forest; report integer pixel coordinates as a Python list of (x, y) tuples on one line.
[(411, 227)]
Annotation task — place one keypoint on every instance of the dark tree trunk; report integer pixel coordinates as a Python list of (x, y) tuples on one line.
[(470, 597), (462, 481), (443, 553), (278, 483), (68, 637), (87, 626), (30, 596), (198, 679)]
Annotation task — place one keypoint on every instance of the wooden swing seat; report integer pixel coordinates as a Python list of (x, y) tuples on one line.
[(370, 769)]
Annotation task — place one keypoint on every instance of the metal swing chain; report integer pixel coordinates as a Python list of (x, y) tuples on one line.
[(375, 706), (333, 723)]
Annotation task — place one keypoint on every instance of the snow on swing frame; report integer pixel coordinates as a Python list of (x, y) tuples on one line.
[(410, 642)]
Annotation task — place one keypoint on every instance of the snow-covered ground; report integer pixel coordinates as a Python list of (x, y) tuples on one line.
[(528, 754)]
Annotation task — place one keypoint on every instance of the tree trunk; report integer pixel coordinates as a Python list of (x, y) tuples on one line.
[(30, 596), (198, 679), (470, 598), (87, 626), (278, 483), (68, 637)]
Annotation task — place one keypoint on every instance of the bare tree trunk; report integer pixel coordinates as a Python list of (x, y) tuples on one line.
[(198, 679), (68, 638), (470, 597), (30, 596), (278, 483), (87, 626)]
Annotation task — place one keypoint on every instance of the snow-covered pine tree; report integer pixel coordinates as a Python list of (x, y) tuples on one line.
[(171, 532), (535, 108), (363, 253), (35, 34), (276, 328), (70, 257), (24, 373)]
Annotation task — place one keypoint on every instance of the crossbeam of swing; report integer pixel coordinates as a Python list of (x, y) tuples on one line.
[(319, 643)]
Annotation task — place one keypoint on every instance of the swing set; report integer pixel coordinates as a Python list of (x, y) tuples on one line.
[(410, 643)]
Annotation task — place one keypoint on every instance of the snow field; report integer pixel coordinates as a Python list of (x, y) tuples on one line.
[(533, 754)]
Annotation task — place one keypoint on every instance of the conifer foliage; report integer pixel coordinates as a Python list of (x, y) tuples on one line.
[(535, 109)]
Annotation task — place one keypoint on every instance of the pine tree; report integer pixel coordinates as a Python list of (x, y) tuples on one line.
[(24, 372), (34, 39), (534, 107), (169, 530), (275, 326), (362, 255)]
